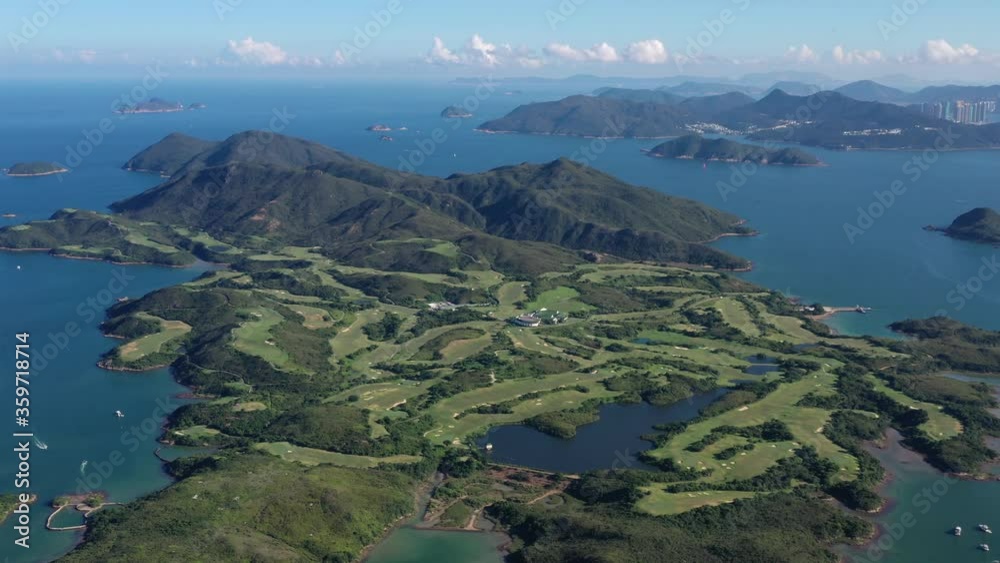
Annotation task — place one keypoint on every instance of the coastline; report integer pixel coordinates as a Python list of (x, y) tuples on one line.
[(651, 154), (49, 173), (54, 253), (748, 137)]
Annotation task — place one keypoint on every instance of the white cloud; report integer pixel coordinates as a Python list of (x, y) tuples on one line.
[(649, 52), (441, 54), (602, 52), (801, 54), (940, 51), (480, 51), (845, 57), (249, 51)]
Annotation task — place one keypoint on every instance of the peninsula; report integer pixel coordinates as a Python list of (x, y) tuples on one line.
[(979, 225), (696, 147), (29, 169), (369, 326)]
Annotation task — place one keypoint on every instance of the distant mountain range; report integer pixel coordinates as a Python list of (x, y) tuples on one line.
[(827, 119), (517, 219)]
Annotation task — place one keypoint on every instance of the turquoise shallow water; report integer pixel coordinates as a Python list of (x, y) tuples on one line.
[(895, 267)]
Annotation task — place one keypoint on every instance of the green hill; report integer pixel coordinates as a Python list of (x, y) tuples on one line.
[(344, 205), (168, 155), (979, 225), (697, 147), (35, 169)]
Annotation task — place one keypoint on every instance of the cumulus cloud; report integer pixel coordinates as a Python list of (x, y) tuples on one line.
[(249, 51), (940, 51), (439, 53), (801, 54), (477, 51), (482, 52), (648, 52), (846, 57), (602, 52)]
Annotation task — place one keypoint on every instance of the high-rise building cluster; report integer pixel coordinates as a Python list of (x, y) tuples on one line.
[(961, 111)]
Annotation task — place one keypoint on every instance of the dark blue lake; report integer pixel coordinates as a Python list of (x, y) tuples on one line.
[(613, 442)]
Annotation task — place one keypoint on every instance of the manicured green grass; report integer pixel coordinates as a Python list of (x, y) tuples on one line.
[(661, 503), (314, 317), (736, 316), (197, 432), (455, 342), (353, 338), (143, 240), (153, 343), (254, 336), (939, 425), (805, 423), (449, 428), (313, 457), (249, 406), (561, 299)]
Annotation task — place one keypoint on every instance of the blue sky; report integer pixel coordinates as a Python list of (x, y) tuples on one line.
[(849, 38)]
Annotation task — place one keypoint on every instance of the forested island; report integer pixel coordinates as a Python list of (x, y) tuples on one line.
[(155, 105), (29, 169), (979, 225), (362, 335), (456, 112), (696, 147)]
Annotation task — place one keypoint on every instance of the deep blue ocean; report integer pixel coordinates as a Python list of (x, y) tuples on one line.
[(893, 265)]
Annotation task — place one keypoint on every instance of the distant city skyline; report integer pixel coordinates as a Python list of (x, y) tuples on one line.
[(847, 39)]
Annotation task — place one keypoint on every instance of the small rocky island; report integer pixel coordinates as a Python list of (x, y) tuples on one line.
[(979, 225), (696, 147), (29, 169), (154, 105), (456, 111)]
